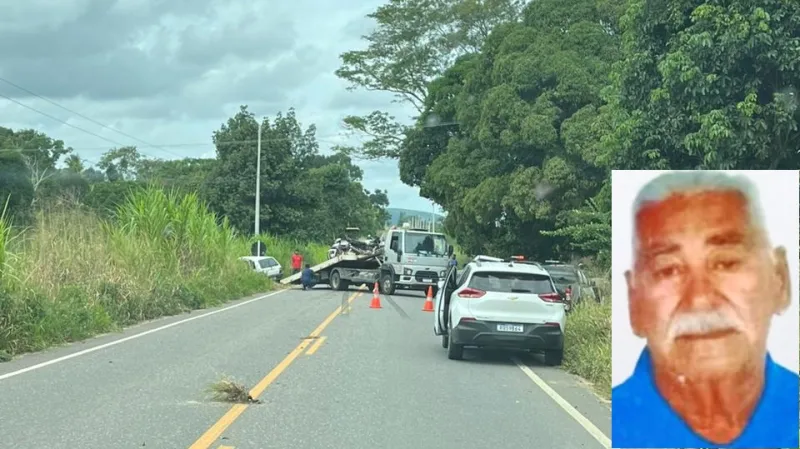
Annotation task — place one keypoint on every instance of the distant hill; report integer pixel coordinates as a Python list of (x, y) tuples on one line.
[(397, 213)]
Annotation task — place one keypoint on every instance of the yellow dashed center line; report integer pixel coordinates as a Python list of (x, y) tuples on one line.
[(214, 432), (316, 345)]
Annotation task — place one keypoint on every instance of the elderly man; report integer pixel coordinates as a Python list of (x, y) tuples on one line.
[(704, 286)]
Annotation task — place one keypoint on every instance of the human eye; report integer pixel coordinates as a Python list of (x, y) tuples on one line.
[(666, 268), (667, 271), (727, 262)]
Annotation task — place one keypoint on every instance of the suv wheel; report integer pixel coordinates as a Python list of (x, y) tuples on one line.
[(454, 351), (553, 357)]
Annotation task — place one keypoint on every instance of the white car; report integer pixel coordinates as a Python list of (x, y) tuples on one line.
[(265, 265), (496, 303)]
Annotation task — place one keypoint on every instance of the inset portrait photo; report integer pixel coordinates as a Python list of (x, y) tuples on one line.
[(705, 309)]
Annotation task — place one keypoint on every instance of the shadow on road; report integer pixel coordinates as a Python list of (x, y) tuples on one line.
[(502, 357)]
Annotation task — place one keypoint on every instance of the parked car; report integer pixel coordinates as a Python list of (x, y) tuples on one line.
[(265, 265), (572, 279), (497, 303)]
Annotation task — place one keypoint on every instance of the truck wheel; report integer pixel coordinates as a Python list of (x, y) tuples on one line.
[(387, 284), (336, 281)]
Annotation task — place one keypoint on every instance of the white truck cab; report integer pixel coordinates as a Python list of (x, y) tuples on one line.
[(413, 259)]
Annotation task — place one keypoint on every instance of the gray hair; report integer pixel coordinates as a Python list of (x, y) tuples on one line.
[(699, 180)]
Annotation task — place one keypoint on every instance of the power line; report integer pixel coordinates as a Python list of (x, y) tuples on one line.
[(61, 121), (80, 115)]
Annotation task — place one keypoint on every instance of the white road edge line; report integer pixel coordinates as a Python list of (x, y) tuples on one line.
[(132, 337), (572, 411)]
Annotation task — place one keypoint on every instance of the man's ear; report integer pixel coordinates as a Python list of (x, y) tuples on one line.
[(783, 288), (634, 305)]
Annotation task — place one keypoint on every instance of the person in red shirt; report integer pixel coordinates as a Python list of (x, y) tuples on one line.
[(297, 262)]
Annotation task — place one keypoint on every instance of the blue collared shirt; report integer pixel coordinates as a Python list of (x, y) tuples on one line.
[(641, 418)]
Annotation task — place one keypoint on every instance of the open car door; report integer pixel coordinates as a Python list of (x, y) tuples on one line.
[(441, 307)]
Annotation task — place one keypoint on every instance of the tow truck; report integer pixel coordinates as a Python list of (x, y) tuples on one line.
[(403, 258)]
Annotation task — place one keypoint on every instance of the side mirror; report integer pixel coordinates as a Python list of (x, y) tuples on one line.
[(449, 250)]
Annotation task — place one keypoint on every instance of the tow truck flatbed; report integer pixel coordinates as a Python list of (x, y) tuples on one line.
[(350, 260)]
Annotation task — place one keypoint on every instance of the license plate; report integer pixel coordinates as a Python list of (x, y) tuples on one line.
[(509, 328), (427, 280)]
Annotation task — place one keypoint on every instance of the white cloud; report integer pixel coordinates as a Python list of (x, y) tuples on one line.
[(170, 73)]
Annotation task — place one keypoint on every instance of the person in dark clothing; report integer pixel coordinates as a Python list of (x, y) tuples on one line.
[(307, 278)]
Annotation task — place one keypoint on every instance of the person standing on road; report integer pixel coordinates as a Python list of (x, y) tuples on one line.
[(307, 278), (297, 262), (703, 289)]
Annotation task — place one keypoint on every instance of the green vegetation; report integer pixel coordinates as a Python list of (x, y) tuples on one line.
[(86, 250), (524, 109), (75, 274)]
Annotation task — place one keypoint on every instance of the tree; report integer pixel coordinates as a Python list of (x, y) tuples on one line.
[(74, 163), (415, 41), (709, 84), (16, 188), (37, 151), (120, 164), (303, 193), (517, 147), (182, 175), (36, 147)]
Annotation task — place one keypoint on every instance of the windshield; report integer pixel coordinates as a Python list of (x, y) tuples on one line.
[(418, 243), (511, 282), (562, 275)]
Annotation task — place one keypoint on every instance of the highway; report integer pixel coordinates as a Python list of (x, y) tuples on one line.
[(326, 378)]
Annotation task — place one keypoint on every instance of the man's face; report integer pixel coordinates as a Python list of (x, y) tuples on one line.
[(700, 252)]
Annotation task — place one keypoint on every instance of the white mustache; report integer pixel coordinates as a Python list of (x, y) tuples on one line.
[(700, 323)]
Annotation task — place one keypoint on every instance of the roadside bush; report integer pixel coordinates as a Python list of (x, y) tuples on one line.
[(588, 345), (587, 351), (75, 274)]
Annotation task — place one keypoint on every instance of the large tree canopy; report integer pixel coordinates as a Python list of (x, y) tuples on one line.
[(513, 147), (518, 130)]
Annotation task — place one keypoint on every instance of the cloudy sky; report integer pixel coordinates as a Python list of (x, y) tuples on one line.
[(169, 72)]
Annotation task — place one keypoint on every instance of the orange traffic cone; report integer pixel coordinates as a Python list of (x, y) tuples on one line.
[(428, 306), (376, 298)]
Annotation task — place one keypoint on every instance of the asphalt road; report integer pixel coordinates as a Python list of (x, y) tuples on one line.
[(365, 378)]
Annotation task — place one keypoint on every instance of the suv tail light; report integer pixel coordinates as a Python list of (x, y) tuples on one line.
[(471, 293), (550, 297)]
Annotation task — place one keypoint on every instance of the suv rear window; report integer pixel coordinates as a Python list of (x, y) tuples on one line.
[(504, 282)]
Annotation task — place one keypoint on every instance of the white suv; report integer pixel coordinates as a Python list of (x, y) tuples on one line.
[(502, 304)]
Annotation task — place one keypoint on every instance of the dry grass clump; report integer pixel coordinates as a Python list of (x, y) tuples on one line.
[(228, 390)]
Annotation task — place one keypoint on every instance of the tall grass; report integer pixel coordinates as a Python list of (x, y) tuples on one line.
[(74, 275), (587, 351)]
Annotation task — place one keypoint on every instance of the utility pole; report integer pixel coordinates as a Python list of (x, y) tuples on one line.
[(258, 191), (433, 216)]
